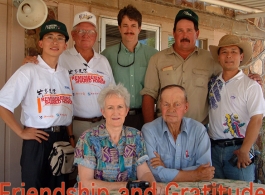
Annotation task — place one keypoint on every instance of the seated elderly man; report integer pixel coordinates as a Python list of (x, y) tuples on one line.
[(179, 147), (111, 152)]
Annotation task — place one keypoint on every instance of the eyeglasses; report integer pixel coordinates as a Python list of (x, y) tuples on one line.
[(83, 32), (51, 39), (118, 58)]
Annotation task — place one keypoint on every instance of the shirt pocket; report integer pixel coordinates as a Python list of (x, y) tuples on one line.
[(169, 77), (200, 78), (189, 156)]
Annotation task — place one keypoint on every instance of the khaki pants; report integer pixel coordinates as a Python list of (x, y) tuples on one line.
[(80, 126)]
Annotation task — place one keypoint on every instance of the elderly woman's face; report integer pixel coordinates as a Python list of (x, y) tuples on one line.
[(114, 110)]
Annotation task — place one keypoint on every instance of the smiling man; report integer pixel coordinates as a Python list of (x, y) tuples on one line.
[(44, 92), (236, 110), (182, 64), (179, 147), (129, 60)]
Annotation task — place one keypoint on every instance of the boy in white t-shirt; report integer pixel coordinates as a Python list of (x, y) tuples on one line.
[(45, 94)]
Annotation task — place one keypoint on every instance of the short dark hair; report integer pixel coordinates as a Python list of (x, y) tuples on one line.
[(172, 86), (240, 50), (132, 13)]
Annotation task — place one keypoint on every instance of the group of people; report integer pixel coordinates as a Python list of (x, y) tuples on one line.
[(174, 144)]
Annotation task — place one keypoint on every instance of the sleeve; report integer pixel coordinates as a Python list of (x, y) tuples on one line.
[(160, 173), (15, 90), (255, 100), (203, 149), (151, 82), (140, 149), (84, 151)]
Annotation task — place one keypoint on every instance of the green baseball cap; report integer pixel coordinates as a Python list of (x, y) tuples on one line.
[(187, 14), (53, 26)]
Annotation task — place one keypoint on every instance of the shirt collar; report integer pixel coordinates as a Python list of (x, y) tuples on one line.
[(44, 65), (74, 52), (136, 47), (182, 128), (172, 51), (103, 132), (238, 76)]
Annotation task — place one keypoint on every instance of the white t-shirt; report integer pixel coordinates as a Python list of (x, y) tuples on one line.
[(88, 79), (232, 104), (45, 95)]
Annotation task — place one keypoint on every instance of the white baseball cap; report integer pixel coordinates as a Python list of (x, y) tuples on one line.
[(85, 17)]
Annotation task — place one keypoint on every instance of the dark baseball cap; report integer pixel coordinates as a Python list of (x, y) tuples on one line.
[(53, 26), (187, 14)]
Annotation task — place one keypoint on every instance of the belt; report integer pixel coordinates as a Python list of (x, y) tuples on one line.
[(135, 111), (92, 120), (227, 142), (53, 129)]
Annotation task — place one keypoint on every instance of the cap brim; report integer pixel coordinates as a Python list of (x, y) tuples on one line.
[(188, 18), (58, 31), (245, 46)]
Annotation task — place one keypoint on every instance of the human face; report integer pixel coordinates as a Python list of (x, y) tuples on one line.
[(129, 30), (114, 111), (229, 57), (173, 105), (53, 44), (84, 41), (185, 36)]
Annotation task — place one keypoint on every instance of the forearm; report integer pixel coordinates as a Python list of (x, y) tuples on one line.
[(70, 133), (252, 132), (187, 176), (10, 120), (147, 177), (148, 108)]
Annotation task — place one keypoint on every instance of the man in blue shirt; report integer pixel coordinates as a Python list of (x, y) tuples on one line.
[(178, 147)]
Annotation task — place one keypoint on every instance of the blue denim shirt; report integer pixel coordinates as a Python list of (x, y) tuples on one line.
[(191, 149)]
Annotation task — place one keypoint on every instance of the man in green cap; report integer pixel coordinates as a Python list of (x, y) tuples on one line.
[(182, 64), (45, 94)]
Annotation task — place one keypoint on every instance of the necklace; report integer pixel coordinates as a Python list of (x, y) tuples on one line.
[(118, 57)]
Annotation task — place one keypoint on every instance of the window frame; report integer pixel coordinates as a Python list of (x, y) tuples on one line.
[(104, 20)]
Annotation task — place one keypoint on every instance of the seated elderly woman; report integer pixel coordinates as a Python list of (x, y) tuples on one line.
[(112, 152)]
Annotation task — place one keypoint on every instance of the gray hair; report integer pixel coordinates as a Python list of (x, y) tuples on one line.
[(118, 90)]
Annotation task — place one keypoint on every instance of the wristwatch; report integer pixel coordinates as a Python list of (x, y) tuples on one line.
[(71, 136)]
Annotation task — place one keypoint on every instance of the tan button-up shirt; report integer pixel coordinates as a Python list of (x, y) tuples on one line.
[(167, 67)]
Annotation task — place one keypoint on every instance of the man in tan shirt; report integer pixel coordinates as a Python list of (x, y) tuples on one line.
[(182, 64)]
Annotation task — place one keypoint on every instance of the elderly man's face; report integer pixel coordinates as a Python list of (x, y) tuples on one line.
[(230, 58), (114, 111), (173, 105), (84, 35)]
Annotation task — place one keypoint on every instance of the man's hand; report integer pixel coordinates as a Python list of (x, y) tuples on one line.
[(205, 172), (256, 77), (160, 189), (30, 59), (30, 133), (243, 159), (156, 161)]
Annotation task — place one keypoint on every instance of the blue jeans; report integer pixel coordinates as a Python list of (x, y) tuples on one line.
[(224, 170)]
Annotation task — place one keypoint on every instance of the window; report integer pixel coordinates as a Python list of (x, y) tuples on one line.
[(110, 35)]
